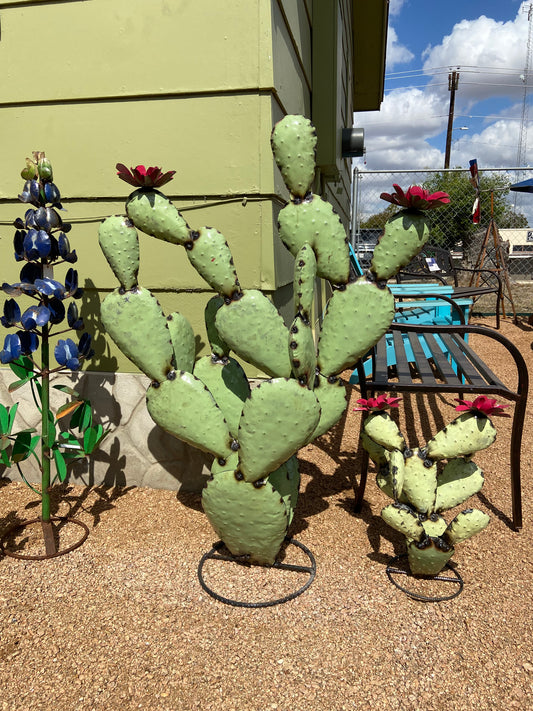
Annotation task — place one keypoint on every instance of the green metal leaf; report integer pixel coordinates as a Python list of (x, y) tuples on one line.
[(91, 438), (277, 419), (82, 417), (23, 446), (50, 440), (18, 384), (465, 525), (12, 413), (459, 480), (4, 419), (68, 408), (68, 391), (61, 465), (255, 331), (22, 367)]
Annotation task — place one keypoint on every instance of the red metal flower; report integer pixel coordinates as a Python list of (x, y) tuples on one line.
[(381, 402), (416, 198), (482, 405), (142, 177)]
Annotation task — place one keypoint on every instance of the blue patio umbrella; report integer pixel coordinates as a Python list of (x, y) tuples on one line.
[(525, 186)]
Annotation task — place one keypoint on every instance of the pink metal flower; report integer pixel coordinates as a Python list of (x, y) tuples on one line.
[(381, 402), (416, 198), (482, 405), (142, 177)]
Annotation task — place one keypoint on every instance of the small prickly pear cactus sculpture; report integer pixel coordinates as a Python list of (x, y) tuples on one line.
[(253, 435), (421, 491)]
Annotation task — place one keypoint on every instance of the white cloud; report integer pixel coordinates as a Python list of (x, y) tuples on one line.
[(482, 43), (395, 6), (396, 53)]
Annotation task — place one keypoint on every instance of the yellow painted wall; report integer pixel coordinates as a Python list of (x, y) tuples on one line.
[(193, 86)]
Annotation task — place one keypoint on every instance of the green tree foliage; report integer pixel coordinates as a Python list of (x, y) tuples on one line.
[(455, 224)]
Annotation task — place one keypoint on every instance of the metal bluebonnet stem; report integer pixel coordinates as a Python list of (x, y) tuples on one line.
[(41, 243)]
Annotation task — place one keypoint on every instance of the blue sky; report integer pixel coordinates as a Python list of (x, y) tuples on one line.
[(486, 42)]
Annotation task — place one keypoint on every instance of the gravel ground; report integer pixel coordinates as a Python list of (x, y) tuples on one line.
[(122, 621)]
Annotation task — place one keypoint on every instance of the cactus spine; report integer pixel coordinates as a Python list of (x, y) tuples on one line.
[(252, 434)]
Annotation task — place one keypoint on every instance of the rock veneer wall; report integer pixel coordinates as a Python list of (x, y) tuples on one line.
[(136, 452)]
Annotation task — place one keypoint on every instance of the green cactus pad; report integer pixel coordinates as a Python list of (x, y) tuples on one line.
[(226, 381), (218, 345), (397, 466), (405, 235), (459, 480), (183, 341), (420, 483), (383, 481), (382, 429), (286, 481), (293, 143), (304, 281), (302, 351), (355, 320), (430, 558), (314, 221), (210, 255), (119, 241), (251, 520), (465, 525), (154, 214), (435, 525), (332, 400), (185, 408), (224, 465), (402, 519), (378, 454), (136, 323), (255, 331), (467, 434), (269, 432)]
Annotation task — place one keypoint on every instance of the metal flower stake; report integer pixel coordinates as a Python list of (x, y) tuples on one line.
[(41, 244), (422, 489), (253, 434)]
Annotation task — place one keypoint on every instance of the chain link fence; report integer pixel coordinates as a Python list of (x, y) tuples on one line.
[(452, 226)]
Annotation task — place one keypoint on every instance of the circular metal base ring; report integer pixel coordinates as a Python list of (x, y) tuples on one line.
[(46, 556), (456, 579), (216, 555)]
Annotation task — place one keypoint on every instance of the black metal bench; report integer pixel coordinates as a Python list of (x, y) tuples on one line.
[(437, 263), (461, 370)]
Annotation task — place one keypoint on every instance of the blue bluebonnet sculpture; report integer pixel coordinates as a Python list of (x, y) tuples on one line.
[(41, 244)]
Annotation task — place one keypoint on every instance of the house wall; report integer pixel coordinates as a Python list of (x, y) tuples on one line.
[(189, 86)]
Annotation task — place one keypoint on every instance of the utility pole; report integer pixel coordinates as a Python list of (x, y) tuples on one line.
[(453, 83)]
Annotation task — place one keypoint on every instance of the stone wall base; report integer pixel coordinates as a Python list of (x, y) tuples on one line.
[(136, 451)]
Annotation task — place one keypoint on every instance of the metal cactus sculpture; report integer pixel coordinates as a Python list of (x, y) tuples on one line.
[(207, 402), (42, 245), (421, 489)]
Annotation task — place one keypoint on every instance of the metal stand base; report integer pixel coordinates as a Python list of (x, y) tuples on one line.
[(48, 536), (214, 554), (456, 579)]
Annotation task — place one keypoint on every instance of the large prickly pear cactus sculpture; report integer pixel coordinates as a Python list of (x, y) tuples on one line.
[(207, 402), (420, 488)]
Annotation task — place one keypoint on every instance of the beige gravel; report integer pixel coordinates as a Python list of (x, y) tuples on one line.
[(122, 622)]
